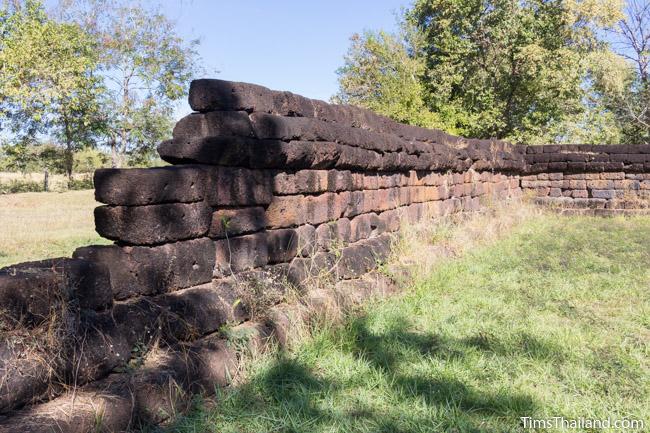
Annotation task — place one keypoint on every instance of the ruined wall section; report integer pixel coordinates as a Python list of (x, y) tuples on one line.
[(589, 179), (266, 192)]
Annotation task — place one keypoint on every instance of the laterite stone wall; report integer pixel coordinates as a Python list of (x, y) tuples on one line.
[(266, 192), (592, 179)]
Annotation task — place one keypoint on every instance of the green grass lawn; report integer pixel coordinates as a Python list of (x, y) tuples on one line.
[(553, 320)]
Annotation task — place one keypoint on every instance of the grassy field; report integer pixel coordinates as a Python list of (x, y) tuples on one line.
[(36, 226), (551, 320)]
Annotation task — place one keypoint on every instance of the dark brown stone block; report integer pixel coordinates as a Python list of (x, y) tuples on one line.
[(365, 226), (31, 292), (24, 379), (253, 153), (303, 271), (355, 260), (285, 244), (239, 187), (143, 186), (390, 219), (286, 211), (233, 222), (206, 307), (606, 194), (214, 124), (153, 224), (240, 253), (282, 245), (333, 235), (301, 182), (212, 94), (150, 270), (268, 126)]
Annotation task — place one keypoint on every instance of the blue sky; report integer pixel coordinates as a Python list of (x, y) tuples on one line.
[(285, 45)]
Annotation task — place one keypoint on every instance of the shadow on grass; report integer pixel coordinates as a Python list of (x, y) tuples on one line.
[(291, 396)]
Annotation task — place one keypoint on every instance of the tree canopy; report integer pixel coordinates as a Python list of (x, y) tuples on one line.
[(47, 79), (534, 71), (88, 73)]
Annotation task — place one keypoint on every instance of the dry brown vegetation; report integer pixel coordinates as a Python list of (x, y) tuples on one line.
[(35, 226)]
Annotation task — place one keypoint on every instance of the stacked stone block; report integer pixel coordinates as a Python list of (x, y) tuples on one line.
[(587, 158), (597, 179)]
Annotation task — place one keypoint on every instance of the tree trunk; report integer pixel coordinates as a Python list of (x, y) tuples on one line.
[(115, 162), (123, 133), (69, 162), (68, 152)]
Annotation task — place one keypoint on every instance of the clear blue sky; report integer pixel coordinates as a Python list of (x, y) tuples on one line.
[(282, 44)]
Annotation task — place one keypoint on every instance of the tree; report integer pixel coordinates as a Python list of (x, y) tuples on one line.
[(514, 68), (47, 80), (380, 74), (623, 77), (147, 68), (490, 68)]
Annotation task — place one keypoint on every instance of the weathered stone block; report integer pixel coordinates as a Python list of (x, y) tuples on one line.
[(606, 194), (333, 235), (140, 270), (339, 180), (213, 124), (153, 224), (355, 260), (239, 187), (144, 186), (233, 222), (600, 184), (247, 152), (212, 94), (390, 219), (612, 176), (285, 244), (579, 193), (206, 307), (31, 292), (321, 267), (365, 226), (301, 182), (240, 253), (286, 211)]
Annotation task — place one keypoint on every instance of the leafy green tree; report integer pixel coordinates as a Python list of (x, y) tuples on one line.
[(147, 68), (47, 79), (489, 68), (513, 68), (381, 74), (622, 76)]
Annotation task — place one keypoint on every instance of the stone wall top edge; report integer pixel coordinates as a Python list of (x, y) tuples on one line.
[(220, 95)]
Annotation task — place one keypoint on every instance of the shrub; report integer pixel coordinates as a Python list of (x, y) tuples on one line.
[(15, 186), (83, 183)]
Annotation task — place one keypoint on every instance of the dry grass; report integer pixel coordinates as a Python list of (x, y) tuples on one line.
[(57, 182), (35, 226), (425, 245)]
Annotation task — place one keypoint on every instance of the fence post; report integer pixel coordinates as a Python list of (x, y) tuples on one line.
[(46, 181)]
